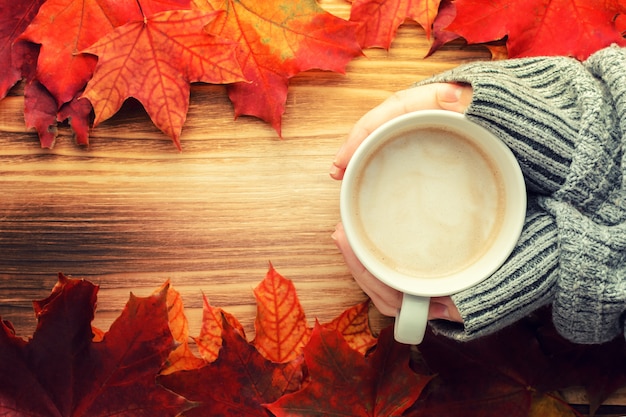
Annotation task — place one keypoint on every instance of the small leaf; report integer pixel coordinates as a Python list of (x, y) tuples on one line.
[(78, 113), (441, 36), (210, 340), (281, 327), (353, 325), (40, 113), (182, 357), (550, 406)]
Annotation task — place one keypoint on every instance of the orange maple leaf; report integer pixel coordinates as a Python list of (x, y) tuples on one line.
[(277, 40), (181, 358), (281, 327), (154, 60), (209, 341), (540, 27), (379, 20), (281, 324), (353, 324)]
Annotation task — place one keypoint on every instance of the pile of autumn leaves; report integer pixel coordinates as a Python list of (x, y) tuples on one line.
[(80, 60), (144, 365)]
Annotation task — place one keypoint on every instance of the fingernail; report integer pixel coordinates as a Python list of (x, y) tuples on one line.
[(334, 170)]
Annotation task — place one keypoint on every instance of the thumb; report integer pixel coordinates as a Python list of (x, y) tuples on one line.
[(454, 97)]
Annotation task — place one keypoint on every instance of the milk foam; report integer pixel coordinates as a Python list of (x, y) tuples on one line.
[(430, 202)]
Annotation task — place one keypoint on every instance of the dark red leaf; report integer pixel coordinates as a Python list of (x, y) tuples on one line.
[(238, 382), (344, 382), (513, 370), (62, 372)]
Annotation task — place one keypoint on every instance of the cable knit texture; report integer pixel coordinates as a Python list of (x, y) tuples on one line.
[(565, 122)]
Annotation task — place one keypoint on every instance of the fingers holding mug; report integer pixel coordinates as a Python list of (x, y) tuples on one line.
[(431, 204), (442, 96)]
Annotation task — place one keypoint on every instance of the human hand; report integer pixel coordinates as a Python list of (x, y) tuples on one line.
[(386, 299), (453, 97), (443, 96)]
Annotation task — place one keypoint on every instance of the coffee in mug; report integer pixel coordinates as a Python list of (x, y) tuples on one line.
[(432, 204)]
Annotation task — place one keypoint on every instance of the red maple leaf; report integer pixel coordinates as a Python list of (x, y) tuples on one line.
[(154, 60), (379, 19), (61, 371), (238, 382), (344, 382), (64, 28), (277, 40), (540, 27)]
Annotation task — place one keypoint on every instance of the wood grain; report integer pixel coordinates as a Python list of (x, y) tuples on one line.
[(131, 212)]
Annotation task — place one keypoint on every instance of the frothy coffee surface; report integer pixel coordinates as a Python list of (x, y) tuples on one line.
[(430, 202)]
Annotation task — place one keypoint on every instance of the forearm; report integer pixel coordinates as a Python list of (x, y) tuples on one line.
[(559, 118)]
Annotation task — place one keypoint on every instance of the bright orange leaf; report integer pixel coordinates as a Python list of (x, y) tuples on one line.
[(550, 406), (353, 324), (281, 327), (181, 358), (154, 60), (281, 324), (379, 19), (210, 340), (278, 39), (540, 27)]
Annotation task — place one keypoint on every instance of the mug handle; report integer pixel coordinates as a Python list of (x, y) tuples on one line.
[(412, 319)]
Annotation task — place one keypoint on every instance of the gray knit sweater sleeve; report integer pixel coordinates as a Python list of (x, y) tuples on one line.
[(566, 123)]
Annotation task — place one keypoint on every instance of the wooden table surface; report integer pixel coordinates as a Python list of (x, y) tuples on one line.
[(130, 212)]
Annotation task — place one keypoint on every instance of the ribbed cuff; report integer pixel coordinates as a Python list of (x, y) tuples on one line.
[(523, 284)]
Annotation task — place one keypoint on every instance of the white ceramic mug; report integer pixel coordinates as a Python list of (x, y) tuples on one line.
[(432, 204)]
